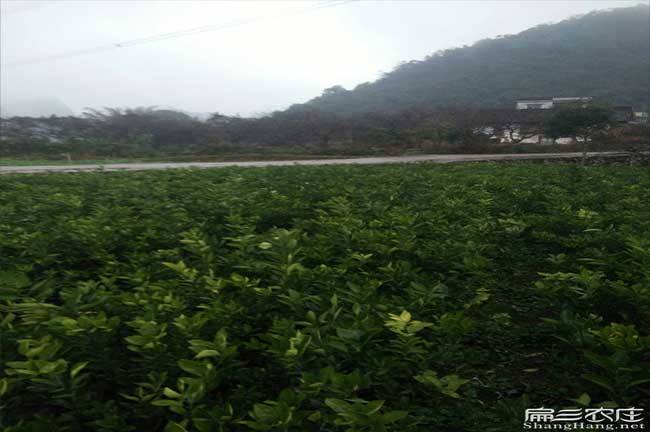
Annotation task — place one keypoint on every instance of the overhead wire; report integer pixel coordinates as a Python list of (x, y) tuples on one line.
[(171, 35)]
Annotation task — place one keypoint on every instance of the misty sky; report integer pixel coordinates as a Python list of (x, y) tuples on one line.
[(265, 65)]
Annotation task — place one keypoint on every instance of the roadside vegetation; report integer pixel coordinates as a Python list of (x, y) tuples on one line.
[(310, 299), (152, 134)]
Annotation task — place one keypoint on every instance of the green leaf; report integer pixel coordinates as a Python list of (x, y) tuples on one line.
[(207, 353), (295, 267), (77, 368), (337, 405), (598, 380), (4, 386), (171, 393), (172, 426), (202, 424), (315, 416), (167, 403), (584, 400), (374, 406), (393, 416), (193, 367), (13, 279), (636, 383)]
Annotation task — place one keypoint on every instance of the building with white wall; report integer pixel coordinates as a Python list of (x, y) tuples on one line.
[(549, 103)]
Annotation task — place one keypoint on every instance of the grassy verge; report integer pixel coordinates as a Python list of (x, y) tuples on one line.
[(28, 162)]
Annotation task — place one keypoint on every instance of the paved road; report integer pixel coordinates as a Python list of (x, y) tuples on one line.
[(352, 161)]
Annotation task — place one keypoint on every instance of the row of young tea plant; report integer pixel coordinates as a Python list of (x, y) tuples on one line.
[(366, 298)]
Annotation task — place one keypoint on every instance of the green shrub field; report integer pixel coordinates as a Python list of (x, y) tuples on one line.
[(361, 298)]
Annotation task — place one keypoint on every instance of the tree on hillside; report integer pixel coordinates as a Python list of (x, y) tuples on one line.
[(337, 89), (146, 128), (579, 122), (217, 118), (312, 125)]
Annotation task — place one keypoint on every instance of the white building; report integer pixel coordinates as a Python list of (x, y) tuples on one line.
[(548, 103), (535, 103), (641, 117)]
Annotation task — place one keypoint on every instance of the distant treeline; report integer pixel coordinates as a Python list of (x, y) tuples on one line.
[(149, 132)]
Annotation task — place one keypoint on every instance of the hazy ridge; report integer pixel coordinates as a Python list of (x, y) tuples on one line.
[(602, 54)]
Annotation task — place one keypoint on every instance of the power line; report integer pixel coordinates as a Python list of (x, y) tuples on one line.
[(170, 35), (209, 28)]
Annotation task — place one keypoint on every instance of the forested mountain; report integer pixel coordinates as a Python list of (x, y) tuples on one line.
[(603, 54)]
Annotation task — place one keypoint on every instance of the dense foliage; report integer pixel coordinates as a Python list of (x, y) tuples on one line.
[(366, 298), (602, 54), (148, 132)]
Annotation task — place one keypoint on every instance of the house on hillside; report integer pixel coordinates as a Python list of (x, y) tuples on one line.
[(623, 114), (549, 102), (641, 117), (534, 103)]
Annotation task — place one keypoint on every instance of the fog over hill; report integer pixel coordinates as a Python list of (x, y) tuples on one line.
[(35, 107), (604, 54)]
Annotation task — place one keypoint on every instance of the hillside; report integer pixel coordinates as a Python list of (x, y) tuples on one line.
[(603, 54)]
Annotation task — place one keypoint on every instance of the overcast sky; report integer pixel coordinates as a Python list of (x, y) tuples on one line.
[(288, 52)]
